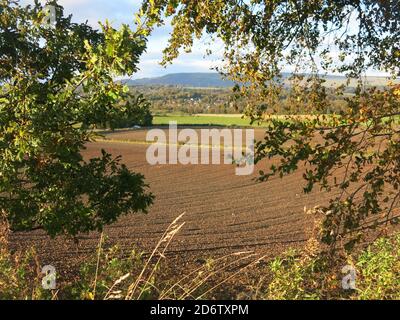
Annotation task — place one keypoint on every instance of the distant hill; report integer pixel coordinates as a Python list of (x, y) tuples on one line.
[(207, 79), (213, 79)]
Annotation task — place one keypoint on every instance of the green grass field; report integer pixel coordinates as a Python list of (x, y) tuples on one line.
[(225, 120), (204, 120)]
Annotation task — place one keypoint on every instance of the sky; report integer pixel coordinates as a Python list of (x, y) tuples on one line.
[(122, 11)]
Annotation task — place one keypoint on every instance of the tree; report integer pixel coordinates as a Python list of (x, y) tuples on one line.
[(354, 153), (137, 114), (55, 77)]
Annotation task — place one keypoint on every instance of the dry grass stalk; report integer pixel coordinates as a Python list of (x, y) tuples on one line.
[(230, 277), (99, 249), (159, 250), (219, 268), (198, 271)]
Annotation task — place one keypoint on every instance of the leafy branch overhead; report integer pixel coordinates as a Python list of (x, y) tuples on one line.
[(353, 153), (57, 85)]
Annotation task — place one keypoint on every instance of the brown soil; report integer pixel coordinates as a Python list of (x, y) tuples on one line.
[(224, 213)]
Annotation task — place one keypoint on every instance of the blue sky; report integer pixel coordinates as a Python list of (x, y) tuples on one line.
[(122, 11)]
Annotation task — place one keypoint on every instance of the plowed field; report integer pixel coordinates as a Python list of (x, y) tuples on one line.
[(224, 212)]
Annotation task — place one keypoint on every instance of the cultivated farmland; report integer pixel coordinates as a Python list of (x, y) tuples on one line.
[(225, 213)]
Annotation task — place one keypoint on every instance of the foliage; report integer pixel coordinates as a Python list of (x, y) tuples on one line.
[(16, 274), (289, 273), (379, 270), (268, 34), (137, 114), (297, 275), (19, 271), (57, 83), (171, 99), (108, 275), (301, 275), (356, 153)]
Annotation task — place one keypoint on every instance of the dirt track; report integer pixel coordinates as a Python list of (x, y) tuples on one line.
[(224, 213)]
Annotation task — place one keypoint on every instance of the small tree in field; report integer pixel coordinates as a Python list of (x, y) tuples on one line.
[(56, 84), (354, 153)]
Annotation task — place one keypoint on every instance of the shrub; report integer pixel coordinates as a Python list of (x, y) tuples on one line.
[(379, 270), (299, 275), (19, 272), (109, 276)]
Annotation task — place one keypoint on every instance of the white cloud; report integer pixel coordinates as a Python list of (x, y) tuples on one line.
[(122, 11)]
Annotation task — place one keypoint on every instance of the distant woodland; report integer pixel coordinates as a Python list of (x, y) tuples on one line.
[(191, 100)]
